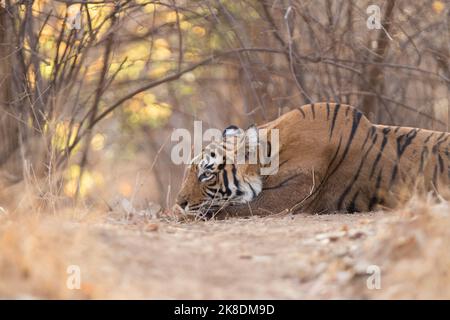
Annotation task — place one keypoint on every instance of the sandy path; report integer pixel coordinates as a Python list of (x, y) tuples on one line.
[(285, 257), (293, 257)]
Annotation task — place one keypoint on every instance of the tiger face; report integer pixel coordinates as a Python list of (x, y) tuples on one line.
[(213, 180)]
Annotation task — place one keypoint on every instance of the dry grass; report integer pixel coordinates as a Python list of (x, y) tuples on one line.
[(302, 256), (413, 249), (35, 254)]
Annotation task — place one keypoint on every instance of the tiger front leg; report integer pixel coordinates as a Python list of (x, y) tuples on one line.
[(290, 193)]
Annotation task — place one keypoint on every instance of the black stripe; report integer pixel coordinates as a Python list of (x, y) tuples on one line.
[(328, 111), (394, 174), (422, 158), (355, 125), (439, 142), (355, 177), (440, 136), (375, 138), (369, 133), (352, 206), (302, 112), (404, 141), (225, 182), (333, 122), (236, 181), (441, 164), (336, 152), (383, 144), (448, 167), (428, 138), (435, 176), (374, 200), (253, 190), (347, 110), (313, 111)]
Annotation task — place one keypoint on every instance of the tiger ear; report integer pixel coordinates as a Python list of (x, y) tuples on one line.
[(231, 131), (248, 145), (251, 136)]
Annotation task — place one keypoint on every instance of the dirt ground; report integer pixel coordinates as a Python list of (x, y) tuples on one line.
[(264, 258), (289, 257)]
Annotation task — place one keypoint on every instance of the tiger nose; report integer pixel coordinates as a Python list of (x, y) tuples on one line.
[(182, 203)]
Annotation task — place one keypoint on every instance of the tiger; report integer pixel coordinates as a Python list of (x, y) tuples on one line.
[(331, 159)]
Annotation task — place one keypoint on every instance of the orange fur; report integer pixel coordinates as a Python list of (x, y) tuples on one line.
[(332, 158)]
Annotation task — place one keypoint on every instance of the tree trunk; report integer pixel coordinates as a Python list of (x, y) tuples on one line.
[(9, 128), (375, 79)]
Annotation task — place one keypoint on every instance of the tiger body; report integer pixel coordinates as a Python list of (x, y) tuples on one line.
[(331, 158)]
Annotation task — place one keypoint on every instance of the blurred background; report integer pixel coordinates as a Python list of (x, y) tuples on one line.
[(90, 91)]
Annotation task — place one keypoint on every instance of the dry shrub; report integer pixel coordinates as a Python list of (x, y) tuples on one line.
[(36, 252), (411, 249)]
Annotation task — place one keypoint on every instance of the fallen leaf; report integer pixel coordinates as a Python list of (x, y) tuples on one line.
[(151, 227)]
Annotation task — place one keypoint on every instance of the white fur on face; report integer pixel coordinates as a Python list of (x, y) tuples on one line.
[(251, 187)]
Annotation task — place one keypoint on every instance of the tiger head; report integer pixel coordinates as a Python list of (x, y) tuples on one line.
[(214, 180)]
